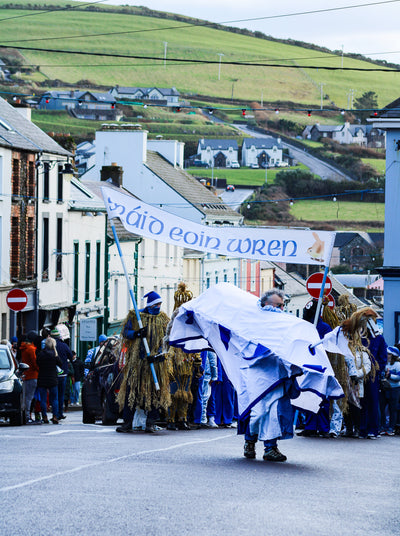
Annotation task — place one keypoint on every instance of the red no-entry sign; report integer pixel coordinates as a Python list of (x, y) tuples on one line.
[(17, 299), (314, 284)]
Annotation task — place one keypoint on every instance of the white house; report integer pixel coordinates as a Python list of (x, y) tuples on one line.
[(261, 151), (34, 180), (157, 177), (218, 153), (157, 95)]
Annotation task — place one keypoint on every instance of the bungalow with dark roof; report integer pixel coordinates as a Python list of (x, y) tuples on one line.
[(261, 151), (157, 95), (82, 104), (218, 153)]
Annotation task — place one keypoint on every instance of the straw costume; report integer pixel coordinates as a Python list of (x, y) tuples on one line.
[(137, 380), (182, 368)]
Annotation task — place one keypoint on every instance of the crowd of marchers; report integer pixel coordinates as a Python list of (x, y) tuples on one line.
[(163, 388)]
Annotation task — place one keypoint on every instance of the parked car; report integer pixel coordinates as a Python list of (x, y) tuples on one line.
[(199, 163), (254, 166), (235, 164), (282, 164), (11, 390), (264, 165), (230, 188), (101, 385)]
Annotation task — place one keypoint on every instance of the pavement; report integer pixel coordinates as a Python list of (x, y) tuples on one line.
[(75, 479)]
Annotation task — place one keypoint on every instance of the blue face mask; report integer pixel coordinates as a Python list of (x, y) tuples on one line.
[(154, 310)]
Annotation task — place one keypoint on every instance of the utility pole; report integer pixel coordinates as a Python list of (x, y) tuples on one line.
[(165, 54), (342, 56), (262, 101), (219, 65)]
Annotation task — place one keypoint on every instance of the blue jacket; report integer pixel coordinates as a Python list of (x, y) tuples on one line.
[(65, 355)]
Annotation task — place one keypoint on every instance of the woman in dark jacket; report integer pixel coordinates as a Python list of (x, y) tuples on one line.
[(47, 361)]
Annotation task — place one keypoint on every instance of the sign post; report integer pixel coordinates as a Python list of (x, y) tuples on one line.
[(17, 299), (317, 285)]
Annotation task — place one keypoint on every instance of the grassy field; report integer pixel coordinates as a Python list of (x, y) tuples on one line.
[(67, 31), (243, 176), (377, 163), (321, 210), (156, 121)]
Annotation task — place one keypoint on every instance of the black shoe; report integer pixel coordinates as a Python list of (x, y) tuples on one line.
[(249, 450), (182, 425), (171, 426), (273, 454), (307, 433), (62, 417), (124, 429)]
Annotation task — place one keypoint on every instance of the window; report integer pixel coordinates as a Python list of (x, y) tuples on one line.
[(30, 187), (155, 253), (46, 181), (166, 254), (59, 249), (207, 282), (15, 179), (98, 269), (87, 272), (76, 273), (45, 250), (60, 185), (30, 248)]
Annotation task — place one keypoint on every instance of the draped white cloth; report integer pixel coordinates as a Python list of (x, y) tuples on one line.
[(259, 349)]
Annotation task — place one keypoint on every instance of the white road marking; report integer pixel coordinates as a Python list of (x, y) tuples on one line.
[(111, 460)]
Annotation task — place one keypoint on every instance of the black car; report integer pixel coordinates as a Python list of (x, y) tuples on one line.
[(11, 388), (101, 385)]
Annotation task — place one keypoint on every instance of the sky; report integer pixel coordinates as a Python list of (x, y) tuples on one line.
[(371, 30)]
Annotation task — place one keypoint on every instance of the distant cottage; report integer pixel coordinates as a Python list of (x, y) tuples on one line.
[(218, 153), (81, 104), (364, 135), (157, 95)]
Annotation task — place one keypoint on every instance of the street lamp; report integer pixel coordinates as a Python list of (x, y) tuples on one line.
[(219, 65)]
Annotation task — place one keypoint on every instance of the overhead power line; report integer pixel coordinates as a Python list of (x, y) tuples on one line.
[(207, 23), (204, 62)]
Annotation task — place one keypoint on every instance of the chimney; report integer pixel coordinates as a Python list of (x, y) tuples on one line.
[(112, 174)]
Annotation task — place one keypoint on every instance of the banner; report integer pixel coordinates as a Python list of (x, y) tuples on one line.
[(256, 243)]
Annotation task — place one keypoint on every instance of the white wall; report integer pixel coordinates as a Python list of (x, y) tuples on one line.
[(53, 291), (128, 150), (160, 269), (172, 150)]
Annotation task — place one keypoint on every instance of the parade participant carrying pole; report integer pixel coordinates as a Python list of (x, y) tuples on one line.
[(145, 343)]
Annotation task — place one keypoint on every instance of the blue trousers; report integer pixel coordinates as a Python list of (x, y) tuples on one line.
[(370, 414), (224, 396), (53, 396)]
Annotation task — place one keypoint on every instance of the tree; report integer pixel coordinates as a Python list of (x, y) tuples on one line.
[(367, 101)]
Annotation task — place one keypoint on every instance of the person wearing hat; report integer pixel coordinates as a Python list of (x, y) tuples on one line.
[(137, 389), (92, 352), (390, 396)]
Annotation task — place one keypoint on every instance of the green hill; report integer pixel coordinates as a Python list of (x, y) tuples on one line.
[(145, 36)]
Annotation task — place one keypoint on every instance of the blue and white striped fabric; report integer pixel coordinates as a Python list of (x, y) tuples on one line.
[(259, 349)]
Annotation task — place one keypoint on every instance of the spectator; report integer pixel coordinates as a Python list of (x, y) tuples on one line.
[(65, 356), (28, 356), (391, 395), (78, 376), (48, 360)]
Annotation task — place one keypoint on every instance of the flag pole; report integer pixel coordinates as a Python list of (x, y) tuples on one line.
[(144, 339)]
